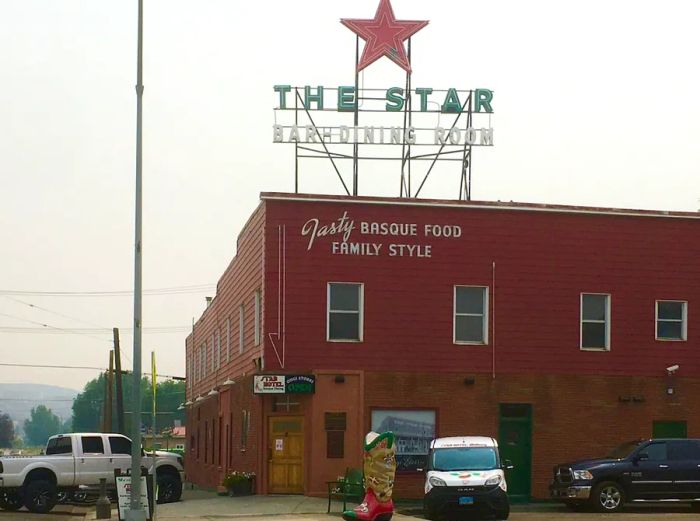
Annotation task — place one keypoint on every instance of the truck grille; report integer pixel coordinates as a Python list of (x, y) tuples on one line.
[(562, 474)]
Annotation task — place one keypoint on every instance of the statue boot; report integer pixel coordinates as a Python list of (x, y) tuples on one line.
[(379, 470)]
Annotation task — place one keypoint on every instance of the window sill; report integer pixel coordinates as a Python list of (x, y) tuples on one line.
[(463, 343), (343, 341), (671, 339), (597, 349)]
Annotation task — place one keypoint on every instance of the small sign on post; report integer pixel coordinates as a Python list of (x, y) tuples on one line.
[(123, 483)]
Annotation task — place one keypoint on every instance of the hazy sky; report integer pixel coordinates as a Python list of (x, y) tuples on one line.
[(596, 103)]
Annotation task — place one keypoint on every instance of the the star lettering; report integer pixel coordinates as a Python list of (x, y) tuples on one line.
[(384, 36)]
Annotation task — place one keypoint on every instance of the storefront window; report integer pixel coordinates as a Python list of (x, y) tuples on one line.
[(414, 430)]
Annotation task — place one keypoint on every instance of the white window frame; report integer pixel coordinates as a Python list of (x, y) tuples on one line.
[(228, 339), (684, 321), (258, 315), (213, 354), (360, 312), (485, 324), (218, 347), (241, 328), (608, 322)]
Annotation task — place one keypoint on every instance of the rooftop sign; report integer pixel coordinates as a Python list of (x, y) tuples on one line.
[(445, 123)]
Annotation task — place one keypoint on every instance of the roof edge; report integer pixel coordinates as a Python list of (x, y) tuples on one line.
[(478, 205)]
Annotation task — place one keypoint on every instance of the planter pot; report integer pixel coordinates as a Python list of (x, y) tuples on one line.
[(241, 488)]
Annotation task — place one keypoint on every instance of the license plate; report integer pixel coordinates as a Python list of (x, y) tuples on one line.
[(465, 500)]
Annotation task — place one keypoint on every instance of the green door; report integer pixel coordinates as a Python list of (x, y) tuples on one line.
[(678, 429), (515, 444)]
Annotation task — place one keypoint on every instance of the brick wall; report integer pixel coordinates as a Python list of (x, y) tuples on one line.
[(573, 417)]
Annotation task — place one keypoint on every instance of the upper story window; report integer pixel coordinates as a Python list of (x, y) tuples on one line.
[(671, 320), (258, 316), (595, 321), (345, 310), (228, 339), (241, 330), (470, 315)]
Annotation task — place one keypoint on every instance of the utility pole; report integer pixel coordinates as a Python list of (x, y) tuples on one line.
[(107, 427), (121, 426), (136, 512)]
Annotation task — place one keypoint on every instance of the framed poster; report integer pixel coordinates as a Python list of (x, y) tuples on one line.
[(414, 430)]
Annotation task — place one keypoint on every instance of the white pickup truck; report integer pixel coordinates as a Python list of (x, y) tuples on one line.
[(75, 461)]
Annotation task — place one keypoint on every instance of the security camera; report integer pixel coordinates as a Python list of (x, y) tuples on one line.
[(673, 368)]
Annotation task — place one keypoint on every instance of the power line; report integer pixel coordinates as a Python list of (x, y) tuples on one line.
[(50, 326), (41, 366), (174, 290), (84, 330), (53, 312)]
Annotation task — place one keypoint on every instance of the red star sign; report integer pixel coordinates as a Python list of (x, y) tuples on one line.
[(384, 36)]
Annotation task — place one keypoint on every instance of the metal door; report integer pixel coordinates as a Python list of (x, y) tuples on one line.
[(515, 444), (670, 429)]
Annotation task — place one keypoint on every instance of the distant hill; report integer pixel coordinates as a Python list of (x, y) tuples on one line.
[(17, 400)]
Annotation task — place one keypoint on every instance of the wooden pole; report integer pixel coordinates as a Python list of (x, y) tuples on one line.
[(121, 427), (110, 384)]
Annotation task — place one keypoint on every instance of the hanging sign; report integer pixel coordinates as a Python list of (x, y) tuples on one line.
[(284, 384)]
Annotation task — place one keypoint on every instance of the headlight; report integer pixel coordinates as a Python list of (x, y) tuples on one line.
[(437, 482), (582, 474), (494, 480)]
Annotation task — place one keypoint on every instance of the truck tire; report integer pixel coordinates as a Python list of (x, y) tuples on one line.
[(169, 488), (10, 501), (40, 496), (608, 496)]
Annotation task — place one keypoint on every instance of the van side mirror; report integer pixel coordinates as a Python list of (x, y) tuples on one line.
[(507, 465)]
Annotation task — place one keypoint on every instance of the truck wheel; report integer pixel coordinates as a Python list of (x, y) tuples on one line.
[(608, 496), (40, 496), (10, 500), (169, 488)]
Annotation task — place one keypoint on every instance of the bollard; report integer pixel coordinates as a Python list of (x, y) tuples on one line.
[(104, 508)]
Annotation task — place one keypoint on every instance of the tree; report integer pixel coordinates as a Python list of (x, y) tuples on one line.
[(41, 425), (7, 431), (88, 406)]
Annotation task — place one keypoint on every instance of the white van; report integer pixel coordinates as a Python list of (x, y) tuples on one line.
[(465, 478)]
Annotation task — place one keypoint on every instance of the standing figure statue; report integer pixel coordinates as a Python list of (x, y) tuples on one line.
[(379, 469)]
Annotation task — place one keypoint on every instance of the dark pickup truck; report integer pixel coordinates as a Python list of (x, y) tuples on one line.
[(639, 471)]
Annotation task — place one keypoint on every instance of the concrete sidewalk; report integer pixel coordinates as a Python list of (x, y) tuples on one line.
[(205, 505)]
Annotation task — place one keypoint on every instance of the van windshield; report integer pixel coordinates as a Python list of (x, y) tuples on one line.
[(464, 458)]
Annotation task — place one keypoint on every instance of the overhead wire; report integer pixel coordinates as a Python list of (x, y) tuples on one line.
[(173, 290), (49, 366)]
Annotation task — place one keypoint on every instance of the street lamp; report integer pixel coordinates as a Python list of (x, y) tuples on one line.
[(136, 512)]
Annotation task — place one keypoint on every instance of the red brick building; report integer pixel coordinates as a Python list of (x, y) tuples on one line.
[(547, 327)]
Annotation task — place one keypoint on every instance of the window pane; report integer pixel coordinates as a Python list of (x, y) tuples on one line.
[(672, 330), (684, 450), (469, 329), (119, 445), (59, 446), (470, 300), (92, 445), (656, 451), (344, 326), (594, 307), (345, 297), (671, 310), (593, 335)]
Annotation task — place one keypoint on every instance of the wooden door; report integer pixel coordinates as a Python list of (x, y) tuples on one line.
[(286, 455)]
